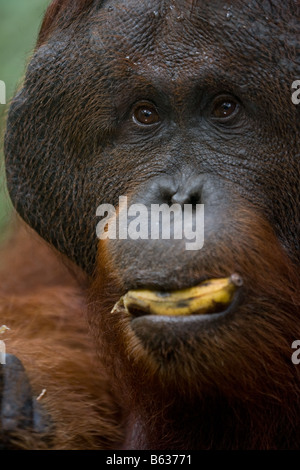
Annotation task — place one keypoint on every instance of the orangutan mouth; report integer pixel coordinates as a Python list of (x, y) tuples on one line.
[(209, 297)]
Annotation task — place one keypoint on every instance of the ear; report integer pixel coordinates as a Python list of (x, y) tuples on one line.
[(61, 12)]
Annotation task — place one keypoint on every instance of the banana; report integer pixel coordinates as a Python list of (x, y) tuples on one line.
[(208, 297)]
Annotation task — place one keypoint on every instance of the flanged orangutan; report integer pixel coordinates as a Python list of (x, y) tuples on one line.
[(144, 342)]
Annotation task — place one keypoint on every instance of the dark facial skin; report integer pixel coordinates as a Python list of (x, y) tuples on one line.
[(97, 152), (156, 100)]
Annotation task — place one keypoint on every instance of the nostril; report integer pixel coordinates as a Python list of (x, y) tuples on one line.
[(187, 197), (166, 196), (169, 191), (195, 198)]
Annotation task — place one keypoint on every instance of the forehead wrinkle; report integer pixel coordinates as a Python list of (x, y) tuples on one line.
[(129, 27), (141, 27), (134, 31), (134, 26), (145, 44), (151, 43)]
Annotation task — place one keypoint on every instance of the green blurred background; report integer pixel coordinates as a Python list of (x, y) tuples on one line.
[(19, 25)]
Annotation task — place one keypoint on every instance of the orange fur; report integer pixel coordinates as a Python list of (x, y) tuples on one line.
[(45, 311), (73, 141), (56, 11)]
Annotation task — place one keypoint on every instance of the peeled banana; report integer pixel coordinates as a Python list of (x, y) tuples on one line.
[(208, 297)]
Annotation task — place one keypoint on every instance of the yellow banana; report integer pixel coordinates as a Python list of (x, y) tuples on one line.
[(209, 296)]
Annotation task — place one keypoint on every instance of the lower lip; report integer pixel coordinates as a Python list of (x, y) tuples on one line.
[(154, 319)]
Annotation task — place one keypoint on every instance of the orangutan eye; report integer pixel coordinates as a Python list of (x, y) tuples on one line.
[(145, 114), (224, 108)]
